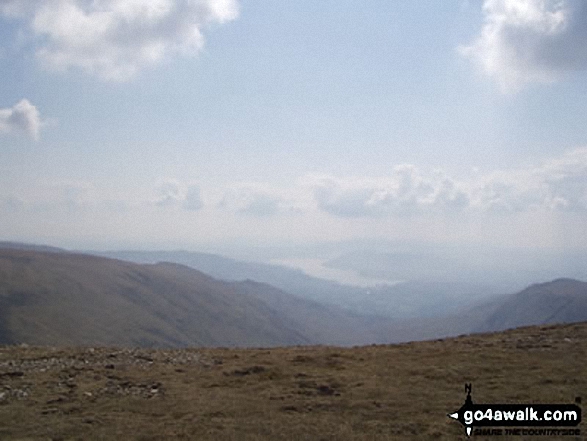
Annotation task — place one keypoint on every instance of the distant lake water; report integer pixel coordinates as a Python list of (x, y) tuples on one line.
[(316, 268)]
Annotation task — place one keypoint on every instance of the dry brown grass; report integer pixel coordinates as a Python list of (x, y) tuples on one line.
[(298, 393)]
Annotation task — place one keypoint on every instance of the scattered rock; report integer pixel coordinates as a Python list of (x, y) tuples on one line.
[(12, 374), (325, 390), (94, 358), (129, 388)]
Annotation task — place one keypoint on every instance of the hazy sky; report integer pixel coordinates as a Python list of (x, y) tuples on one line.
[(184, 122)]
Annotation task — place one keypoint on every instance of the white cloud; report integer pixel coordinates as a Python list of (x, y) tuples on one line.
[(256, 200), (405, 191), (556, 185), (22, 117), (114, 39), (530, 41), (559, 184), (171, 192), (258, 204)]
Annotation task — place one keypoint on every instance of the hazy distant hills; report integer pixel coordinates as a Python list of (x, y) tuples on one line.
[(287, 279), (556, 302), (402, 301), (321, 323), (69, 299), (63, 298), (559, 301), (508, 269), (30, 247)]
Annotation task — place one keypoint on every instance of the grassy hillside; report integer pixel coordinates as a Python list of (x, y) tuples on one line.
[(393, 392), (77, 299), (49, 298), (559, 301), (405, 300), (324, 324), (290, 280), (62, 298)]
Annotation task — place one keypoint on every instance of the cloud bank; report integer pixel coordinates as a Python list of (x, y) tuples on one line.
[(169, 193), (254, 200), (406, 191), (559, 184), (23, 117), (114, 39), (172, 193), (530, 41), (408, 194)]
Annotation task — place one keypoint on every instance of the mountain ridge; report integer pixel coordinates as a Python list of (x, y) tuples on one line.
[(75, 298), (562, 300), (86, 299)]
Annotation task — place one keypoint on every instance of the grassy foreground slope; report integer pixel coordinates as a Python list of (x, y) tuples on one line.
[(391, 392)]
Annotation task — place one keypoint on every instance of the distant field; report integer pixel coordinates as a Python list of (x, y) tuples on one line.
[(297, 393)]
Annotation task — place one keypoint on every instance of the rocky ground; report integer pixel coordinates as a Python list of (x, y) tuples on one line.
[(302, 393)]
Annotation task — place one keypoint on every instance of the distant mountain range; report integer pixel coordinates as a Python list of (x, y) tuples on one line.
[(508, 269), (57, 297), (559, 301), (71, 299), (406, 300), (30, 247)]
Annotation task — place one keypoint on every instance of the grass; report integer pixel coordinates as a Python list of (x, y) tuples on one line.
[(383, 392)]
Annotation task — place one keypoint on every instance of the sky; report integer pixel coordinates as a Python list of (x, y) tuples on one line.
[(185, 123)]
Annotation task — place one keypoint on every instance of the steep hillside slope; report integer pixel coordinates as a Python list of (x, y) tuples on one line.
[(398, 301), (50, 298), (61, 298), (64, 298), (559, 301), (324, 324), (291, 280)]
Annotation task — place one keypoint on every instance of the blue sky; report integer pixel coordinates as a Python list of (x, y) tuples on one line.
[(182, 123)]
